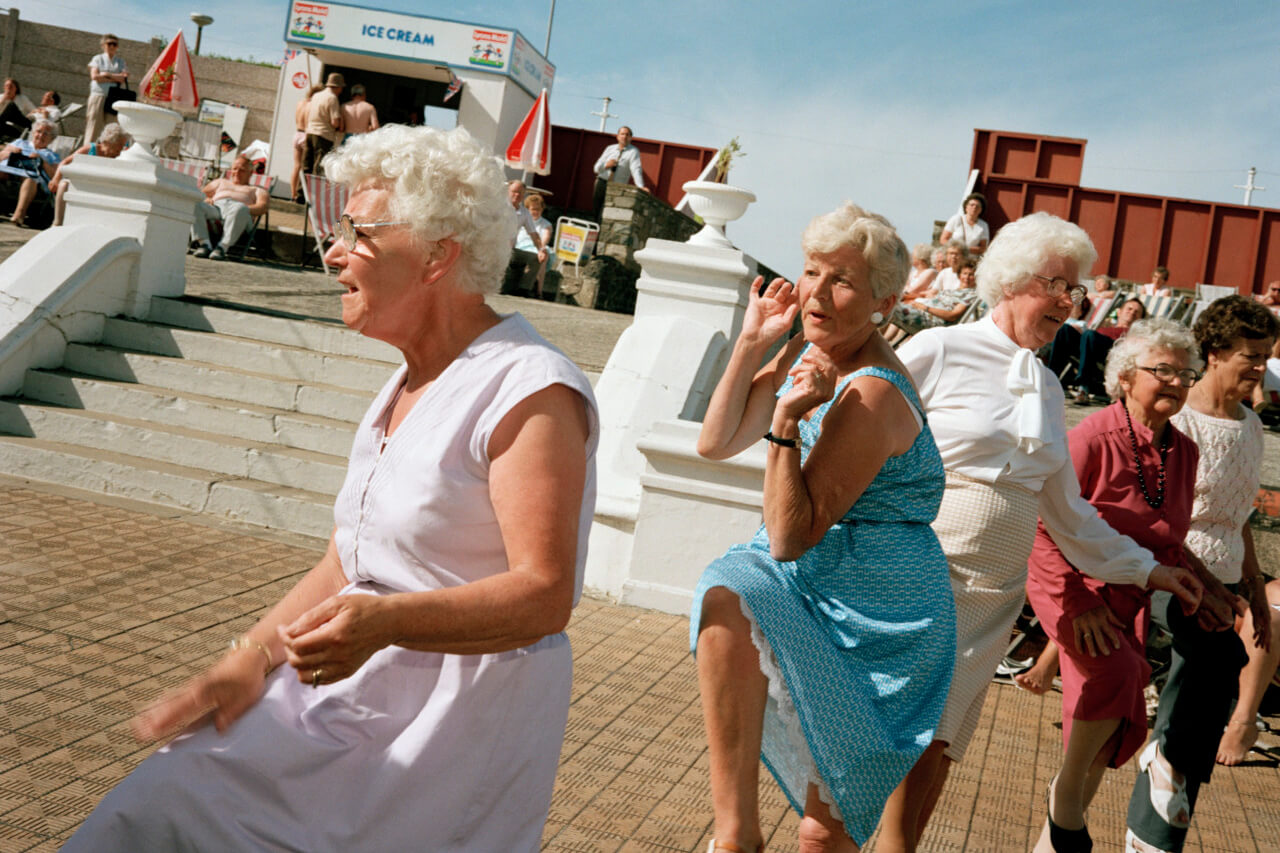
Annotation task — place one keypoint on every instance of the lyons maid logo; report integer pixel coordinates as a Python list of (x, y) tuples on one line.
[(489, 48), (308, 21)]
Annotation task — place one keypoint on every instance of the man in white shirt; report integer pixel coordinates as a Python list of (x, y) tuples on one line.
[(949, 277), (50, 108), (616, 164), (234, 202), (521, 259)]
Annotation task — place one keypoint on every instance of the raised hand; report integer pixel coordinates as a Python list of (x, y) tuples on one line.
[(771, 312), (814, 379)]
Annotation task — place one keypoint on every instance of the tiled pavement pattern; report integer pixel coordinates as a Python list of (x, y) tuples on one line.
[(105, 605)]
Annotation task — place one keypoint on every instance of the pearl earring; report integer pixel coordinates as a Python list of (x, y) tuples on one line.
[(877, 318)]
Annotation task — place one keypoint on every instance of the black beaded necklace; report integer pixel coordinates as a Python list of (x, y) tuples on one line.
[(1158, 501)]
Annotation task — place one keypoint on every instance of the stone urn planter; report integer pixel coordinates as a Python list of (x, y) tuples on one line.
[(717, 205), (146, 123)]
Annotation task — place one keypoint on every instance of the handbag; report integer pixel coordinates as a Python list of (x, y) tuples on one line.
[(119, 92)]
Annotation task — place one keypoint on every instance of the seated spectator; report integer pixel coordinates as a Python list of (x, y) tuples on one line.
[(15, 110), (1102, 288), (231, 201), (942, 309), (1266, 394), (949, 278), (112, 141), (1090, 346), (34, 156), (518, 266), (1159, 284), (524, 260), (1271, 297), (968, 227), (358, 115), (940, 258), (920, 283), (50, 108)]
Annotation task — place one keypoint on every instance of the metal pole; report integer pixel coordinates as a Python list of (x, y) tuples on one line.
[(546, 51), (199, 33), (1249, 186), (604, 113)]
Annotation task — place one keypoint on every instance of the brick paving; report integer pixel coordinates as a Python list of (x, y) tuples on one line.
[(105, 604)]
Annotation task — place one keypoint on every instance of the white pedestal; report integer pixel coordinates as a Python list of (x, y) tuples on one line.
[(140, 199)]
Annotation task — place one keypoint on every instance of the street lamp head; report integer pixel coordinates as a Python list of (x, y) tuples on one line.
[(200, 19)]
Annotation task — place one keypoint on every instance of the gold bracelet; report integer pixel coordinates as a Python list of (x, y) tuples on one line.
[(249, 643)]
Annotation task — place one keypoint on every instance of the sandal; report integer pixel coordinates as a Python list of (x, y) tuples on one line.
[(1174, 807), (1065, 840)]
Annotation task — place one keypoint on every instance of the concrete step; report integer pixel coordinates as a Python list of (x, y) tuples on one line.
[(220, 381), (280, 360), (325, 336), (142, 479), (249, 421), (227, 456)]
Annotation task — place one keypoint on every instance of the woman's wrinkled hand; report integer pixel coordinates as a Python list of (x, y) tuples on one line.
[(1182, 584), (1096, 631), (814, 379), (333, 639), (771, 311), (224, 692)]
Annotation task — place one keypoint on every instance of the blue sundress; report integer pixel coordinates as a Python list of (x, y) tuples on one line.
[(857, 637)]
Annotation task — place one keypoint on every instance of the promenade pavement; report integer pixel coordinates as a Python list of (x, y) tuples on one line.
[(105, 604)]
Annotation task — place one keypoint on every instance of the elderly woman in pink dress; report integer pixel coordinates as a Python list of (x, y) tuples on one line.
[(411, 691)]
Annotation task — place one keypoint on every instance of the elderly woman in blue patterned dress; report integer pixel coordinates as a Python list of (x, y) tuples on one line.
[(825, 645)]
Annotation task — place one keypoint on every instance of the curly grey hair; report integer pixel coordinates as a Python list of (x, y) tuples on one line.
[(888, 262), (1025, 245), (113, 134), (445, 185), (1144, 336)]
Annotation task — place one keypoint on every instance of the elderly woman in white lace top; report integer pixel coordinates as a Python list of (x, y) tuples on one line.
[(997, 415)]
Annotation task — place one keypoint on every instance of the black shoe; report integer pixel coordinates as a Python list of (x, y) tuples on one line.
[(1065, 840)]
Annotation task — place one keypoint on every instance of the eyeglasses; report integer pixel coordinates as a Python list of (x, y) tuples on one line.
[(1055, 287), (112, 43), (1166, 373), (347, 229)]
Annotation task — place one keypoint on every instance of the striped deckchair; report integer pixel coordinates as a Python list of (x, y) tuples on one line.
[(1101, 309), (325, 202), (195, 170), (268, 183), (1169, 307)]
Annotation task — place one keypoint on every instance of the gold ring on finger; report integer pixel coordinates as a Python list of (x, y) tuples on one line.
[(316, 675)]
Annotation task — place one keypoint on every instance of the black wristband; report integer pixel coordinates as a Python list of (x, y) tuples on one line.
[(793, 443)]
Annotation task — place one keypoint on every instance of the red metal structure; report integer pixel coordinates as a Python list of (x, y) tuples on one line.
[(667, 165), (1199, 241)]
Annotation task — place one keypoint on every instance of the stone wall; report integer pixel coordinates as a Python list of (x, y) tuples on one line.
[(42, 57), (630, 217)]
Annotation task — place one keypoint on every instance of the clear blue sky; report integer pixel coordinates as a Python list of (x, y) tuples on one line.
[(870, 101)]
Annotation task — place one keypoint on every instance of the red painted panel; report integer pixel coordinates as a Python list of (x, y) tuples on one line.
[(1004, 202), (1268, 251), (1094, 211), (1138, 220), (1186, 228), (1014, 157), (1049, 199), (1231, 251), (1061, 161), (574, 151)]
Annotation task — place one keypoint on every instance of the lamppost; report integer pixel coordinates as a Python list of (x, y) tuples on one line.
[(201, 21)]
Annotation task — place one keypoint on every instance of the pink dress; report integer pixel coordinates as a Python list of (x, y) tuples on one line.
[(1110, 686)]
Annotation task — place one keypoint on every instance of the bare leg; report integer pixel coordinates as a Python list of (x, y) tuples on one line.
[(734, 692), (1092, 744), (1242, 732), (820, 832), (295, 178), (1040, 677), (911, 803), (26, 195), (60, 204)]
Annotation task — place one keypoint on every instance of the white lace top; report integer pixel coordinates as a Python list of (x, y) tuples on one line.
[(1226, 485)]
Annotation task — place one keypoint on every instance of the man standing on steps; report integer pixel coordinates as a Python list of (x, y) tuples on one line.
[(324, 124), (616, 164)]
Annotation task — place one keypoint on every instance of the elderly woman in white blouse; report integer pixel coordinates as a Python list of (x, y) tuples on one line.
[(997, 415), (411, 691), (968, 226)]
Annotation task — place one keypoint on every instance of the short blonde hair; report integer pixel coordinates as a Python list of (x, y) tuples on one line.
[(888, 262), (445, 185)]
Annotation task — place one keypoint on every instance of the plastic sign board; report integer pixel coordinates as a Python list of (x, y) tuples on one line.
[(575, 239), (338, 26)]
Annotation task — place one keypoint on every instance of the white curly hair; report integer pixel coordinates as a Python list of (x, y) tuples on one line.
[(888, 261), (445, 184), (1144, 336), (1025, 245)]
